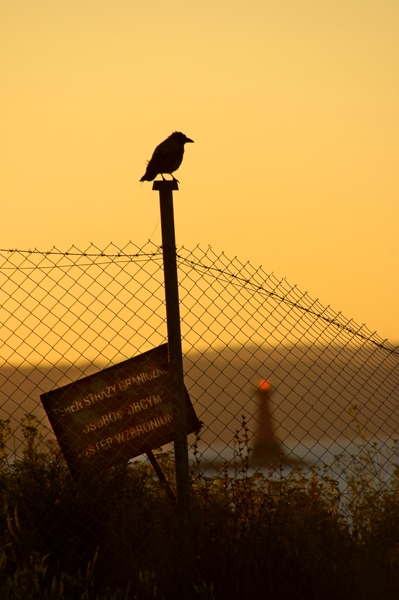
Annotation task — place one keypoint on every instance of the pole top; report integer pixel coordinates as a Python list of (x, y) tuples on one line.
[(165, 185)]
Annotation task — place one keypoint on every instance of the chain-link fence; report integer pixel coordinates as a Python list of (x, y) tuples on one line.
[(265, 365), (65, 315)]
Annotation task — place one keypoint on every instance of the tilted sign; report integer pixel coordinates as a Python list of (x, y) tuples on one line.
[(116, 414)]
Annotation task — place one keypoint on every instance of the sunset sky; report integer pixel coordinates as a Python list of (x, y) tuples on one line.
[(293, 107)]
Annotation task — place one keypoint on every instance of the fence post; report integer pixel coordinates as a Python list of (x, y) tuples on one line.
[(165, 189)]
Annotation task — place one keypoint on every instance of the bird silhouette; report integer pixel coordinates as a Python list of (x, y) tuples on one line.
[(167, 156)]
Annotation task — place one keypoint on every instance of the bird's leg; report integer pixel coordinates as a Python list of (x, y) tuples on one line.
[(163, 177), (174, 178)]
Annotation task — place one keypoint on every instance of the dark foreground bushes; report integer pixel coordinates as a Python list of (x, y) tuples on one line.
[(116, 536)]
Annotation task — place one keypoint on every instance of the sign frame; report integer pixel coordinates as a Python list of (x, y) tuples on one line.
[(116, 414)]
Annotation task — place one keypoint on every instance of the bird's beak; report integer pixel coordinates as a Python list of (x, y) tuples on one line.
[(188, 140)]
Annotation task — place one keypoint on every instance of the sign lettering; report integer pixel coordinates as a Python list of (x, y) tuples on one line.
[(116, 414)]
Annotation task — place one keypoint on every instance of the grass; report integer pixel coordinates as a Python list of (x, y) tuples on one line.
[(116, 537)]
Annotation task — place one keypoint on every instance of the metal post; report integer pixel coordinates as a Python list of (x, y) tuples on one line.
[(165, 189), (161, 476)]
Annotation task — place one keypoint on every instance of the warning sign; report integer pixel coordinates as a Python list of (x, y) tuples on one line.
[(116, 414)]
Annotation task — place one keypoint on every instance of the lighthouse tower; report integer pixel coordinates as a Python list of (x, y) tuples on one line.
[(267, 449)]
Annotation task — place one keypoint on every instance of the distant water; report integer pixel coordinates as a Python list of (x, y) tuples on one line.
[(337, 459)]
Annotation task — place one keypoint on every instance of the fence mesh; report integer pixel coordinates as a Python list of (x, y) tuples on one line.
[(305, 384)]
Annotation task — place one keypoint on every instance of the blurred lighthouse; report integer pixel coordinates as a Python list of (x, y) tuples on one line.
[(266, 449)]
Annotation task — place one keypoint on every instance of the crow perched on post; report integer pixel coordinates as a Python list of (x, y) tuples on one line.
[(167, 157)]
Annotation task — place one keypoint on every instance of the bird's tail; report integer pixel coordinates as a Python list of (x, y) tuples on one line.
[(148, 175)]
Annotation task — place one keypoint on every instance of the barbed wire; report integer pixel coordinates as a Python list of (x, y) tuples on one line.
[(79, 253)]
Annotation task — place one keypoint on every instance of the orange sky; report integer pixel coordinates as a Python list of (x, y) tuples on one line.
[(293, 106)]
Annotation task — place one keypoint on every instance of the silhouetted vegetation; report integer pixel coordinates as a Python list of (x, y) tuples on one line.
[(115, 536)]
